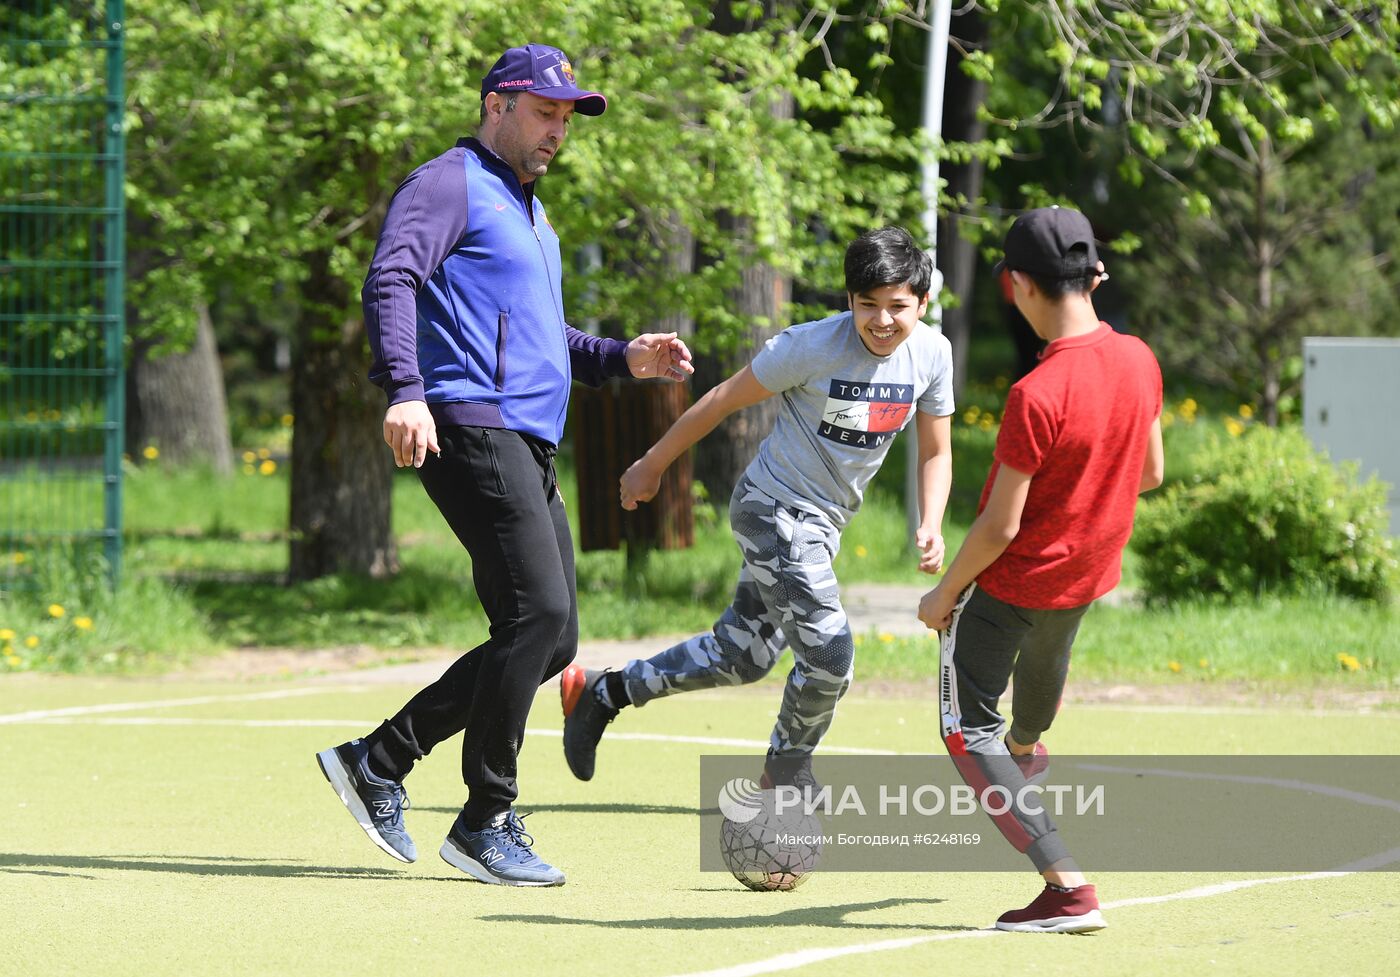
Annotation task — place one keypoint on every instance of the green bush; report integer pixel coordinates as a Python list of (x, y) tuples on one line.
[(1266, 513)]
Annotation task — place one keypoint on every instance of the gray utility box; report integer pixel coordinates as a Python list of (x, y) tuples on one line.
[(1351, 406)]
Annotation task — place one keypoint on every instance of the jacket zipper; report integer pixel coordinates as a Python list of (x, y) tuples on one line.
[(502, 327), (491, 454)]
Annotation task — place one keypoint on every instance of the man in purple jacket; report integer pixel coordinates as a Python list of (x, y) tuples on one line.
[(466, 324)]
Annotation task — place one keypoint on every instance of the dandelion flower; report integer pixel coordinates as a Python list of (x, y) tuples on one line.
[(32, 641), (82, 623), (268, 467), (1174, 666), (249, 457), (1204, 663), (264, 453), (18, 558), (56, 610), (13, 661), (150, 452), (7, 634), (885, 637), (1234, 427), (249, 469), (1246, 411), (287, 420), (1348, 662), (862, 552)]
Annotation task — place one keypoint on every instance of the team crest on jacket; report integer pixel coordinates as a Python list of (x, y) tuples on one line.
[(865, 414)]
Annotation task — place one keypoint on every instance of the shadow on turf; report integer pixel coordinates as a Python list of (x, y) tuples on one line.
[(582, 809), (829, 916), (187, 865)]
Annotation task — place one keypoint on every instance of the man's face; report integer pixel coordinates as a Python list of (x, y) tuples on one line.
[(886, 316), (528, 137)]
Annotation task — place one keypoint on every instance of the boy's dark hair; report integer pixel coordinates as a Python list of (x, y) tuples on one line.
[(1054, 288), (887, 256)]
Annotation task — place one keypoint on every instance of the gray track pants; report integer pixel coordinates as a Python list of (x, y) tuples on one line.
[(787, 596), (987, 643)]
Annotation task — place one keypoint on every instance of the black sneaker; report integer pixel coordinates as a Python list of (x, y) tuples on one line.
[(585, 718), (377, 804), (789, 771), (498, 854)]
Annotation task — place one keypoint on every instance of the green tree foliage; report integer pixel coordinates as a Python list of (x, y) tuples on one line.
[(267, 137), (1251, 143)]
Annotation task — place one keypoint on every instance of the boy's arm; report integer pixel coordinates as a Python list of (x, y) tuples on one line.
[(1154, 465), (641, 482), (935, 479), (990, 535)]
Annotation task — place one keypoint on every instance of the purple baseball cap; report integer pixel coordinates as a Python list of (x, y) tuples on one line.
[(544, 71)]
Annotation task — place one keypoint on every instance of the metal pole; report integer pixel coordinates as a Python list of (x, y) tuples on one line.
[(940, 12), (114, 293)]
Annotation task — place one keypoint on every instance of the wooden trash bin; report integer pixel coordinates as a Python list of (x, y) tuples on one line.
[(614, 425)]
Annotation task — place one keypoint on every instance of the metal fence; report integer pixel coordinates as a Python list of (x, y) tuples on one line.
[(62, 167)]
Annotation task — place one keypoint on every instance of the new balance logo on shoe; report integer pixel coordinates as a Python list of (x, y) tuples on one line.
[(492, 855), (384, 808)]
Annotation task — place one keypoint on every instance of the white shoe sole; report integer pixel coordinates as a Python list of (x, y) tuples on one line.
[(1086, 923), (459, 859), (333, 768)]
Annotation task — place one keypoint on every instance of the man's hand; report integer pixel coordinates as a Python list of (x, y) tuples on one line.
[(931, 550), (659, 354), (936, 607), (640, 483), (410, 431)]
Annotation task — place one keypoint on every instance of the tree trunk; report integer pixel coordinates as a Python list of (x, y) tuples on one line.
[(722, 456), (176, 402), (342, 472), (957, 257)]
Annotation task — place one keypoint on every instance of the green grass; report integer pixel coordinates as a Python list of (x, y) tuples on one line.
[(205, 557), (213, 847)]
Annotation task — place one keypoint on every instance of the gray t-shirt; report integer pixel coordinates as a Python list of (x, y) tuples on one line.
[(842, 406)]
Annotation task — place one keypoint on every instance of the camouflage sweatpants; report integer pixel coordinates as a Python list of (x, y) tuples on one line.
[(787, 596)]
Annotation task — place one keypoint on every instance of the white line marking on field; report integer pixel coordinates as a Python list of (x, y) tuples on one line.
[(54, 719), (1236, 778), (715, 741), (203, 700), (803, 958)]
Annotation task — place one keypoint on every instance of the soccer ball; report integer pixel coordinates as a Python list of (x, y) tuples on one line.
[(772, 852)]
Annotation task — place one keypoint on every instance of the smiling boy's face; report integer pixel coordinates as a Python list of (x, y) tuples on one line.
[(886, 316)]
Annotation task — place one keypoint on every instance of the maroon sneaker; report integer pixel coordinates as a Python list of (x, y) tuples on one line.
[(1033, 765), (1056, 911)]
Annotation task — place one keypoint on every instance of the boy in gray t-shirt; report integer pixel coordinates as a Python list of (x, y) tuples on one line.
[(849, 384)]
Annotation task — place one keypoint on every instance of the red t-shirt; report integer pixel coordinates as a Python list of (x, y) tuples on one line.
[(1078, 424)]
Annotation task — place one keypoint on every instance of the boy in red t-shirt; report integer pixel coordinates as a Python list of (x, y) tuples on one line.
[(1080, 439)]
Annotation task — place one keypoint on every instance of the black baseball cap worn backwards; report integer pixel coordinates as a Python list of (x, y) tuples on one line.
[(1052, 243), (544, 71)]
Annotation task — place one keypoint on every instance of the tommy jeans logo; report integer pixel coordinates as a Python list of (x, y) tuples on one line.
[(865, 414)]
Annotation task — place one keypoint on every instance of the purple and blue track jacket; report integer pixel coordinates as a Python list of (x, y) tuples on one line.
[(462, 302)]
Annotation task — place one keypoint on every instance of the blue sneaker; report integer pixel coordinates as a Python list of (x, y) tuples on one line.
[(377, 804), (498, 854)]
